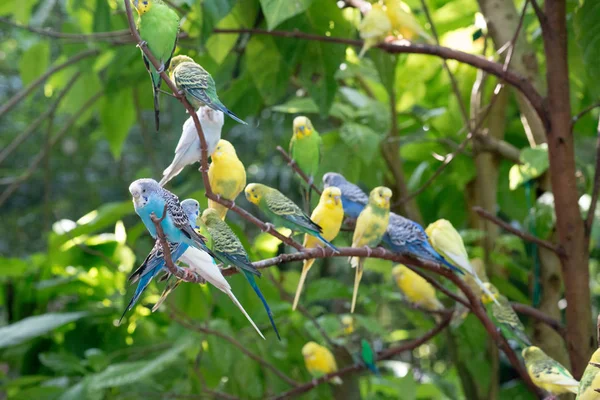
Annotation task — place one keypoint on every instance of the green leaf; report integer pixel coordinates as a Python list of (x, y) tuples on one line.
[(102, 16), (131, 372), (298, 105), (267, 67), (117, 116), (14, 267), (534, 162), (34, 62), (361, 139), (277, 11), (64, 363), (214, 11), (587, 30), (31, 327)]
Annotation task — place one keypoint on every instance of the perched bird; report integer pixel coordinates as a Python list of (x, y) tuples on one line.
[(368, 357), (305, 149), (226, 174), (319, 361), (448, 242), (404, 236), (197, 85), (155, 261), (188, 148), (329, 215), (370, 227), (374, 27), (548, 374), (590, 379), (416, 289), (354, 199), (348, 324), (230, 251), (403, 21), (282, 211), (158, 25), (149, 197), (503, 315)]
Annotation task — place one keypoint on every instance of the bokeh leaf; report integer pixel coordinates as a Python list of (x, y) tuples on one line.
[(31, 327)]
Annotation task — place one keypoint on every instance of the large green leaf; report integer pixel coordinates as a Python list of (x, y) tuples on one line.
[(587, 29), (212, 12), (361, 139), (117, 116), (534, 162), (34, 62), (277, 11), (268, 69), (31, 327)]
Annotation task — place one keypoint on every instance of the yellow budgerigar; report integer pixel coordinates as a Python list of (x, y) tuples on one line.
[(447, 241), (590, 381), (374, 27), (547, 373), (348, 324), (226, 174), (319, 361), (370, 228), (329, 215), (403, 21), (416, 289)]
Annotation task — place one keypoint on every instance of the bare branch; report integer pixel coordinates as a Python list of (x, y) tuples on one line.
[(13, 101), (540, 316), (523, 235), (297, 169), (80, 37), (583, 112), (589, 221)]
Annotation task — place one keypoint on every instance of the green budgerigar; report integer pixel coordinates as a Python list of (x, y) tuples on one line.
[(283, 212), (305, 150), (547, 373), (503, 315), (590, 381), (158, 25), (197, 85), (367, 356), (229, 250)]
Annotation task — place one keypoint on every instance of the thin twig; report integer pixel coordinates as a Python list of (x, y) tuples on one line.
[(203, 146), (82, 37), (519, 82), (589, 221), (583, 112), (385, 355), (523, 235), (297, 169), (237, 344), (540, 316), (13, 101)]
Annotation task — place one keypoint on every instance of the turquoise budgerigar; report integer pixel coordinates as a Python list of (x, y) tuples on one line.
[(230, 251), (197, 85), (305, 149), (354, 199), (282, 211), (149, 197), (155, 261), (158, 25)]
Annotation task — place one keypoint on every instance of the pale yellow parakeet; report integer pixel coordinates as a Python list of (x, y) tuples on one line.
[(370, 228), (226, 174), (547, 373), (416, 289), (403, 21), (374, 27), (319, 361), (329, 215), (448, 242), (590, 379)]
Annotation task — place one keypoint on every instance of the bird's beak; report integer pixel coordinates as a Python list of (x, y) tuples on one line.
[(136, 195), (337, 199)]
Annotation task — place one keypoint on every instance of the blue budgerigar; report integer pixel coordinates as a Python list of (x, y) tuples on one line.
[(404, 236), (149, 197), (155, 261), (354, 199)]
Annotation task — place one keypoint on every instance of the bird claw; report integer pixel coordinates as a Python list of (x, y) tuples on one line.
[(181, 92), (268, 227), (161, 69), (323, 252), (143, 43), (311, 181), (369, 252), (232, 205)]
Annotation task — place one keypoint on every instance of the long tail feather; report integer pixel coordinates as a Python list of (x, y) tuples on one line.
[(327, 243), (156, 107), (144, 282), (252, 283), (484, 289), (166, 293), (305, 269), (221, 107), (357, 279), (239, 305)]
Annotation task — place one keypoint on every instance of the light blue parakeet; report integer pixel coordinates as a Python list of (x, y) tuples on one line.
[(354, 199), (155, 262), (404, 236), (149, 197)]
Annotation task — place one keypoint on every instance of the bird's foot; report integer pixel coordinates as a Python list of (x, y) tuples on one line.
[(268, 227), (161, 68), (232, 205), (323, 252), (311, 181), (369, 251), (315, 382), (143, 43), (181, 92)]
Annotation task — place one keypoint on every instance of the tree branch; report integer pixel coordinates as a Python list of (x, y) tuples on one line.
[(297, 169), (81, 37), (589, 221), (385, 355), (523, 235), (494, 68), (583, 112), (13, 101), (203, 146), (540, 316)]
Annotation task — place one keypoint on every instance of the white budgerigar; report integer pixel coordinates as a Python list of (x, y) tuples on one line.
[(188, 149)]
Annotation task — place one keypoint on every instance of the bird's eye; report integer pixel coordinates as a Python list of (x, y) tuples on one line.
[(143, 190)]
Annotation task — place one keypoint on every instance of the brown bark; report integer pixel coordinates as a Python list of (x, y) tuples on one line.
[(570, 227)]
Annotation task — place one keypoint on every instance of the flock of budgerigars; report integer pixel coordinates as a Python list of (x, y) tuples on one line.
[(200, 241)]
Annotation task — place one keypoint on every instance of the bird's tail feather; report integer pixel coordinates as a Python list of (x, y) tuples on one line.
[(327, 243), (484, 289), (305, 269), (357, 279), (221, 107), (252, 283), (169, 173), (144, 282), (166, 293), (156, 81), (239, 305)]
